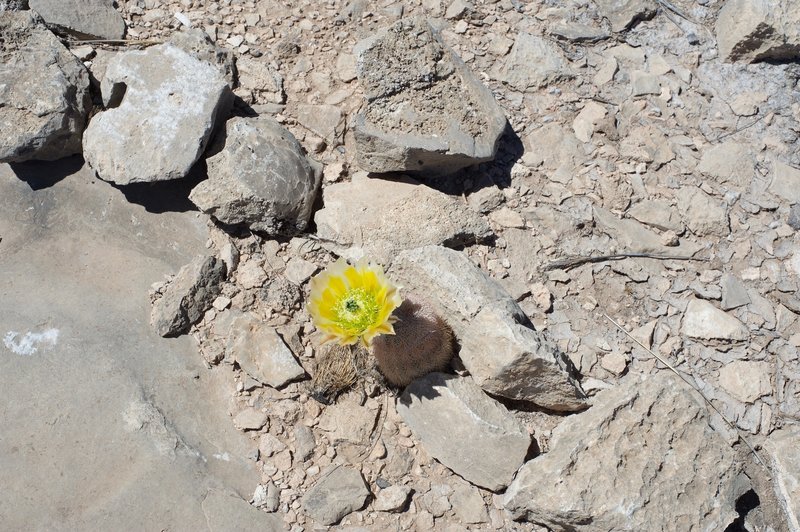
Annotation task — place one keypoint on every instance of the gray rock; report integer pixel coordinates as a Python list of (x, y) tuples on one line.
[(186, 298), (782, 448), (337, 493), (378, 218), (704, 321), (758, 31), (734, 293), (656, 213), (729, 161), (468, 504), (199, 45), (44, 92), (704, 215), (226, 512), (533, 63), (504, 355), (250, 419), (794, 217), (259, 177), (262, 80), (325, 121), (622, 14), (785, 181), (644, 83), (13, 5), (84, 19), (633, 236), (426, 112), (596, 476), (746, 380), (162, 107), (465, 429), (392, 499), (304, 443), (574, 31), (260, 351)]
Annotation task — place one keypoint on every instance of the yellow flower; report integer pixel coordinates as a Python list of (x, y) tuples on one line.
[(353, 303)]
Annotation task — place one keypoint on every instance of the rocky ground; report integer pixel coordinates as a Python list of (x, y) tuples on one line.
[(641, 201)]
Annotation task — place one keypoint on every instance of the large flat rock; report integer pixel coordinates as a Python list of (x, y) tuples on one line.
[(101, 417), (84, 19)]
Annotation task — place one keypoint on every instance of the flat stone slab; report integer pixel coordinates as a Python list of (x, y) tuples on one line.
[(162, 105), (704, 321), (443, 409), (44, 92), (84, 19), (337, 493), (622, 465), (533, 63), (426, 112)]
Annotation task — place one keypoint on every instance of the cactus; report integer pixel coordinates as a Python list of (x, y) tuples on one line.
[(338, 367)]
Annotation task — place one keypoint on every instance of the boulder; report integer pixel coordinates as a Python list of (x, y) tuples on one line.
[(533, 63), (44, 92), (597, 477), (465, 429), (186, 298), (163, 105), (426, 112), (259, 177), (84, 19), (759, 31), (502, 352), (199, 45), (378, 218), (339, 492)]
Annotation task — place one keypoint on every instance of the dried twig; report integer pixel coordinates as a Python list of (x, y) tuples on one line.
[(740, 129), (115, 42), (695, 388), (572, 262)]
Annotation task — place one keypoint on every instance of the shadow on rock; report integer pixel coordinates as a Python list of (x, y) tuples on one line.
[(45, 174), (166, 196)]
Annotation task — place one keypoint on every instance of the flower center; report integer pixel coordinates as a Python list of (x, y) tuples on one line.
[(357, 310)]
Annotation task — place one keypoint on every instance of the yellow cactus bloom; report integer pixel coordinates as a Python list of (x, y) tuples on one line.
[(353, 303)]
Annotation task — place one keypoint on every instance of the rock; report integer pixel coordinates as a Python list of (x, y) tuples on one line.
[(734, 293), (785, 181), (259, 177), (336, 494), (644, 83), (304, 443), (299, 270), (502, 353), (13, 5), (614, 362), (745, 380), (631, 489), (634, 237), (426, 112), (586, 121), (348, 422), (261, 79), (704, 321), (269, 444), (84, 19), (506, 217), (729, 162), (758, 31), (325, 121), (623, 14), (199, 45), (703, 214), (162, 106), (250, 419), (260, 351), (794, 217), (436, 500), (44, 92), (392, 499), (533, 63), (576, 32), (468, 504), (378, 218), (656, 213), (443, 409), (226, 511), (555, 148), (186, 298), (251, 275), (782, 448)]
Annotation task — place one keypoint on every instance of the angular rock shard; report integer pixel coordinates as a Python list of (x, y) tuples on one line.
[(426, 112), (338, 493), (759, 31), (505, 356), (84, 19), (533, 63), (163, 106), (260, 177), (44, 92), (705, 321), (597, 477), (378, 218), (465, 429)]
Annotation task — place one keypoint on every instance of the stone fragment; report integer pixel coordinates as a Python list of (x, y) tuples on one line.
[(44, 92), (436, 500), (630, 489), (392, 499), (785, 181), (84, 19), (746, 380), (468, 504), (506, 217), (782, 448), (555, 148), (704, 321), (325, 121), (162, 106), (634, 237), (533, 63), (585, 123), (348, 422), (337, 493), (199, 45), (259, 177), (793, 220), (704, 215), (441, 409), (250, 419), (426, 112), (656, 213), (378, 218), (623, 14), (299, 270), (614, 362), (644, 334), (734, 293), (758, 31), (502, 352), (13, 5), (261, 79), (644, 83), (304, 443), (251, 275), (227, 511), (260, 351), (186, 298), (346, 67), (728, 161)]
